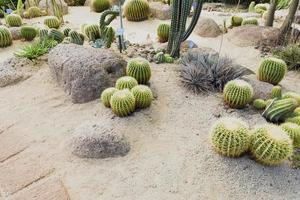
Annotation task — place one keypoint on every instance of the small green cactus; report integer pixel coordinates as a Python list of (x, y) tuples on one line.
[(272, 70), (76, 38), (136, 10), (143, 96), (100, 5), (168, 58), (159, 58), (52, 22), (236, 21), (276, 92), (277, 111), (295, 120), (122, 103), (251, 7), (259, 104), (13, 20), (293, 130), (92, 31), (250, 21), (163, 31), (297, 111), (260, 8), (237, 93), (126, 82), (66, 31), (270, 145), (230, 137), (5, 37), (28, 32), (34, 12), (56, 35), (139, 69), (26, 15), (67, 40), (106, 96), (293, 95), (43, 33)]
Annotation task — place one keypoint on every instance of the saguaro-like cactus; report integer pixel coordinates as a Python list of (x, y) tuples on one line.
[(178, 31)]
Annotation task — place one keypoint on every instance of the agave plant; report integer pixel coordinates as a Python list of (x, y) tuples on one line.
[(208, 72)]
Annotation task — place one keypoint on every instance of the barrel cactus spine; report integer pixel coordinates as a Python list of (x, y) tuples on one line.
[(293, 130), (126, 82), (122, 103), (230, 137), (34, 12), (276, 92), (28, 32), (92, 31), (100, 5), (163, 31), (56, 35), (5, 37), (136, 10), (143, 96), (270, 145), (52, 22), (139, 69), (75, 38), (237, 93), (106, 96), (13, 20), (250, 21), (272, 70), (259, 104)]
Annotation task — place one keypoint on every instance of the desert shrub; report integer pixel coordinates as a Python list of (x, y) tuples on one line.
[(283, 4), (291, 55), (206, 72)]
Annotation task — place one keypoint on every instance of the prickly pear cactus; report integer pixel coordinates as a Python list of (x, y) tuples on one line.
[(272, 70), (163, 31), (270, 145), (236, 21), (237, 93), (92, 31), (279, 109), (100, 5), (276, 92), (293, 95), (126, 82), (34, 12), (56, 35), (136, 10), (139, 69), (259, 104), (230, 137), (13, 20), (106, 96), (28, 32), (52, 22), (122, 103), (250, 21), (5, 37), (76, 38), (293, 130), (143, 96)]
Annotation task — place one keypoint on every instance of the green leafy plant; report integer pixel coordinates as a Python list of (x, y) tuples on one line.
[(13, 20)]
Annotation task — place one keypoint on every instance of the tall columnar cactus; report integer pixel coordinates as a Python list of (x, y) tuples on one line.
[(237, 93), (28, 32), (13, 20), (279, 109), (5, 37), (178, 31), (76, 38), (272, 70), (293, 95), (270, 145), (34, 12), (163, 31), (126, 82), (236, 21), (293, 130), (137, 10), (100, 5), (43, 33), (139, 69), (92, 31), (259, 104), (250, 21), (52, 22), (143, 96), (276, 92), (230, 137), (56, 35), (122, 103), (106, 96)]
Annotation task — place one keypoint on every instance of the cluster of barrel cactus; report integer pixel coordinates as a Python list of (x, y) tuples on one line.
[(5, 37), (163, 32), (136, 10), (127, 95), (272, 70), (13, 20), (28, 32), (162, 57), (52, 22), (100, 5)]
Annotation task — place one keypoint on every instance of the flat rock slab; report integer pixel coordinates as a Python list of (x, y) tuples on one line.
[(51, 189), (251, 35), (84, 72), (21, 171), (160, 10)]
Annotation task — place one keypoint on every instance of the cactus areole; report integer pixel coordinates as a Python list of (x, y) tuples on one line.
[(178, 31)]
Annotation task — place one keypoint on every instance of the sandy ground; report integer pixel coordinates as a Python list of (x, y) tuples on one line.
[(170, 157)]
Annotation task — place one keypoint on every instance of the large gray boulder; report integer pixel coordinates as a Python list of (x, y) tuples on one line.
[(251, 35), (262, 90), (85, 72), (43, 5), (207, 27), (95, 140), (160, 10)]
